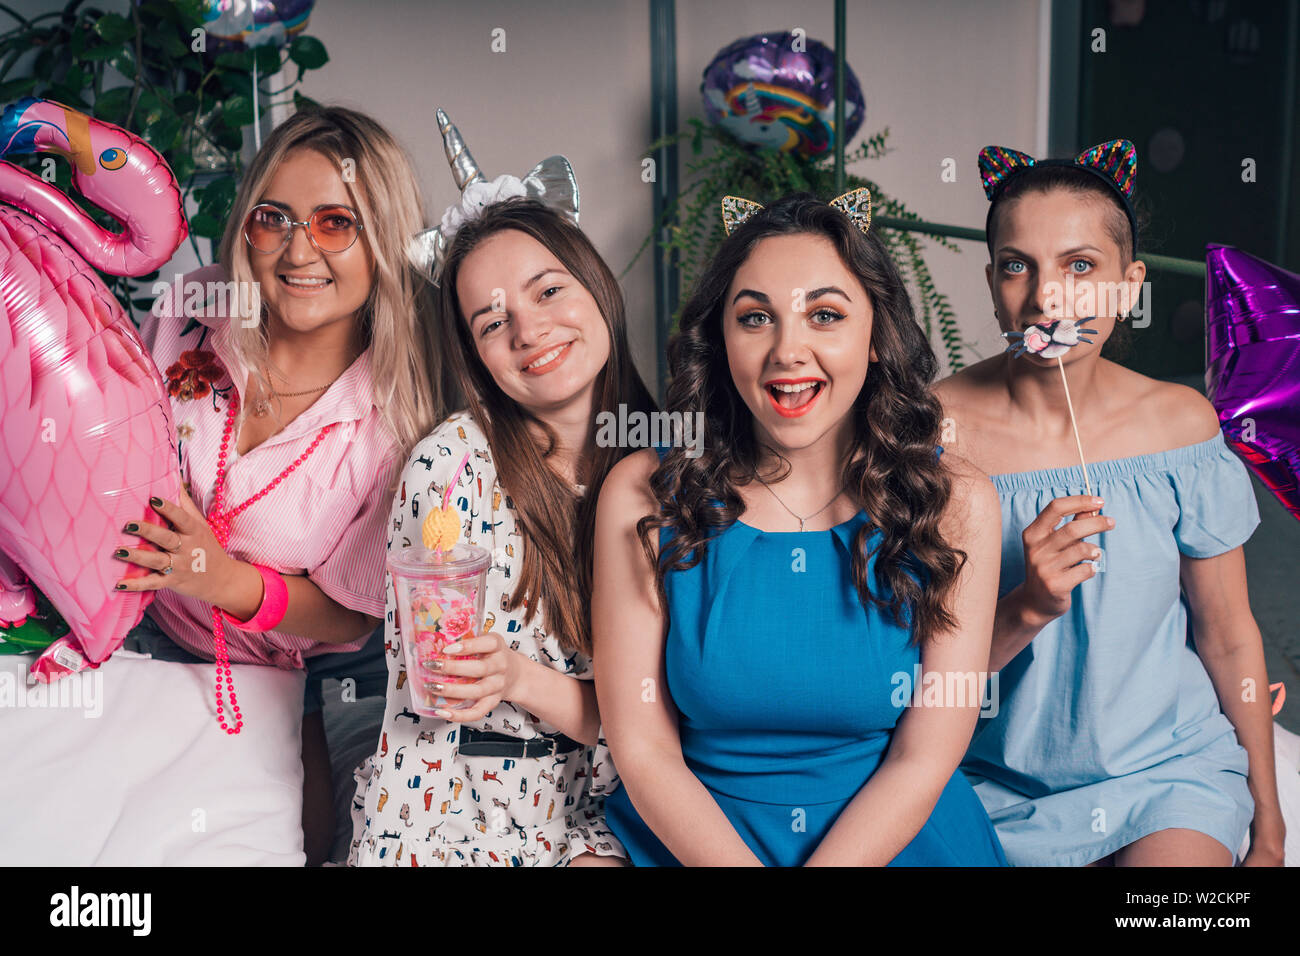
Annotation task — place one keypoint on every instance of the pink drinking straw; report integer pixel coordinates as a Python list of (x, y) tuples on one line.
[(446, 495)]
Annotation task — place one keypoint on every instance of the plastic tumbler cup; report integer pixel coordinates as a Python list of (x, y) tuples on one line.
[(439, 601)]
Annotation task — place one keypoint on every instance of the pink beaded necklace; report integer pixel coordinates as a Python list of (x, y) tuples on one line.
[(219, 522)]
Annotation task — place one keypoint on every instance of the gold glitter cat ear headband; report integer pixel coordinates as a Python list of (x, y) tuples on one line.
[(856, 204)]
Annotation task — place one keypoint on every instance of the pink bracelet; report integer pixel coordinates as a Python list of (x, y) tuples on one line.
[(275, 601)]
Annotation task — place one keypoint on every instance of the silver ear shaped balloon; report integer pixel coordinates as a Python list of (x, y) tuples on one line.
[(551, 182)]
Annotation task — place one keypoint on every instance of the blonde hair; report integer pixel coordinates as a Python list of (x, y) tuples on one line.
[(397, 317)]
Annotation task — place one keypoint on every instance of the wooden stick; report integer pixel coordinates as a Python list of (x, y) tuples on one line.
[(1074, 424)]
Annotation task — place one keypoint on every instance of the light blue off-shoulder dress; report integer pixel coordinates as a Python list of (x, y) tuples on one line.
[(787, 691), (1107, 726)]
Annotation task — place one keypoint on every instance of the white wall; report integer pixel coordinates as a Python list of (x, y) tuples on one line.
[(946, 76)]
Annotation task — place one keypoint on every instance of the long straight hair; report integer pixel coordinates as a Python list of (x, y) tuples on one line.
[(397, 316), (557, 523)]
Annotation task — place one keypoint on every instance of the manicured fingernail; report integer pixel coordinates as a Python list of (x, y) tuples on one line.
[(1111, 522), (131, 527), (436, 665), (120, 553), (1098, 501), (444, 714), (451, 649), (439, 687), (155, 502), (1096, 552), (119, 587)]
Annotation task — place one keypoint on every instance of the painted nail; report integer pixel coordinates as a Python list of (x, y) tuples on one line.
[(120, 553), (436, 665), (155, 502), (439, 687), (444, 714), (119, 587), (131, 527), (451, 649)]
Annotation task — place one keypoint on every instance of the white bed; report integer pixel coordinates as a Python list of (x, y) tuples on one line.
[(130, 767)]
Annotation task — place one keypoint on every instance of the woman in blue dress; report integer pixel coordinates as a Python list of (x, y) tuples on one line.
[(1133, 725), (797, 687)]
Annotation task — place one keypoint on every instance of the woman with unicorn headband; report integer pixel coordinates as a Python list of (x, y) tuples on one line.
[(532, 325)]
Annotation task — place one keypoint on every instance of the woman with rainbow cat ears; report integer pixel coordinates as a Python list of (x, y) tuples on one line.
[(534, 338), (1117, 741), (762, 611)]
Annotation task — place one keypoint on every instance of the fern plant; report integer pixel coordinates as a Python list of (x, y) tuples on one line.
[(721, 165)]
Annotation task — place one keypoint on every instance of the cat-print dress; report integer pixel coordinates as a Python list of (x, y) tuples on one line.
[(418, 801)]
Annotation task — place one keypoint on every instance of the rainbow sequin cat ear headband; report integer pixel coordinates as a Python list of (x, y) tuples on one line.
[(551, 182), (856, 204), (1114, 162)]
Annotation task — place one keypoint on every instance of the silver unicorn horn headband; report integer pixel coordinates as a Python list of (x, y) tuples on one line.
[(551, 182)]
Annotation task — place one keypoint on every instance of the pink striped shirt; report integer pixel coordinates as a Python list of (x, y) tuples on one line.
[(326, 520)]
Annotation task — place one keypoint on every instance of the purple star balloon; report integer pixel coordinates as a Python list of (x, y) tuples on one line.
[(1252, 346)]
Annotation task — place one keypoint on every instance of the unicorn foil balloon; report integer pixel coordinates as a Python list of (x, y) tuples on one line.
[(87, 434)]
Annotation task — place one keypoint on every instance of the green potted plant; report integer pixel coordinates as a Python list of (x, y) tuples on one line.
[(150, 72)]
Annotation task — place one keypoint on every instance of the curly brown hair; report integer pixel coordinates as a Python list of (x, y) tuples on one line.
[(892, 469)]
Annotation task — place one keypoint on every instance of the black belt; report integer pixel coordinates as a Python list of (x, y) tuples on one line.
[(482, 743)]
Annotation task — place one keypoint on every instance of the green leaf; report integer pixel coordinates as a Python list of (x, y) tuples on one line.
[(152, 11), (67, 96), (162, 133), (79, 37), (218, 196), (241, 60), (236, 83), (124, 63), (104, 51), (182, 167), (114, 28), (174, 46), (228, 137), (205, 226), (308, 52), (16, 88), (301, 102), (111, 105), (237, 111), (143, 302), (268, 59), (75, 78), (185, 103)]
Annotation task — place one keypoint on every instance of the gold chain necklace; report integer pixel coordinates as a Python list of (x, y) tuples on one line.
[(263, 405), (792, 514)]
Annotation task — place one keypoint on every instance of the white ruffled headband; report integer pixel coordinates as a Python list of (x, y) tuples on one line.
[(551, 182)]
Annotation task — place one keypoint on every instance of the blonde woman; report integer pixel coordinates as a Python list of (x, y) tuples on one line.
[(296, 399)]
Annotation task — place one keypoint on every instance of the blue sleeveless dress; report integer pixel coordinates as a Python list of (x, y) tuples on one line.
[(788, 693), (1108, 726)]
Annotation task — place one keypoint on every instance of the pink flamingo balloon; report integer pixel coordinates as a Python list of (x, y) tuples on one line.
[(87, 434)]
